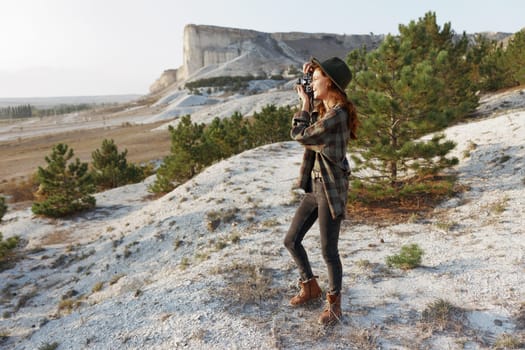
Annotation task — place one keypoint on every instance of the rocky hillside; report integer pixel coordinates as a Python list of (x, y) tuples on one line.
[(204, 266)]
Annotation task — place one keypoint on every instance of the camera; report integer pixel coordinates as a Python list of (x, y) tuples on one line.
[(306, 82)]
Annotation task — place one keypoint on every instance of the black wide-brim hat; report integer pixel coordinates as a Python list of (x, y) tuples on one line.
[(337, 70)]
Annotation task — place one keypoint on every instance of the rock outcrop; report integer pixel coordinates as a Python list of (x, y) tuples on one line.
[(211, 51), (168, 77)]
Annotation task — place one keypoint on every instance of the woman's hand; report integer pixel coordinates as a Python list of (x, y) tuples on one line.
[(307, 67), (304, 98)]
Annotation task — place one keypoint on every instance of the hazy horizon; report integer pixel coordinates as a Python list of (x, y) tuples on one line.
[(38, 101)]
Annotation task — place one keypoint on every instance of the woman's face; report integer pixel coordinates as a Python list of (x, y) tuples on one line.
[(320, 84)]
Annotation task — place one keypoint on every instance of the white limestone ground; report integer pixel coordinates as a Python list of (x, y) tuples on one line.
[(142, 273)]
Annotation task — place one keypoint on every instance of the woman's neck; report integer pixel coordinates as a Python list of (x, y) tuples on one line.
[(329, 103)]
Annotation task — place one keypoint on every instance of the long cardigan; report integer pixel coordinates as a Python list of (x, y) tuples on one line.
[(326, 139)]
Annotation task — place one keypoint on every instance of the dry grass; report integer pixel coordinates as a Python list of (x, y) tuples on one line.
[(57, 237), (441, 315), (247, 283), (400, 210), (507, 341), (19, 190)]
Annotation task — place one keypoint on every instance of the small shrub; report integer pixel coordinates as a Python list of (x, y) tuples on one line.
[(184, 263), (270, 223), (115, 279), (6, 248), (247, 283), (65, 187), (215, 218), (3, 207), (499, 206), (3, 336), (48, 346), (111, 169), (364, 264), (408, 258), (127, 252), (221, 244), (362, 339), (507, 341), (504, 159), (97, 287), (202, 256), (445, 225), (20, 190), (67, 305), (235, 237), (177, 244), (442, 315)]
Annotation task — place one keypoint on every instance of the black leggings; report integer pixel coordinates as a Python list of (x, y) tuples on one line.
[(313, 206)]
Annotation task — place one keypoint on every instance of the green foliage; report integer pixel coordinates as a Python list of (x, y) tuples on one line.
[(493, 68), (515, 55), (232, 83), (49, 346), (414, 84), (271, 125), (65, 188), (229, 135), (191, 151), (6, 247), (408, 258), (21, 111), (111, 169), (62, 109), (196, 146), (27, 111), (3, 207), (497, 67)]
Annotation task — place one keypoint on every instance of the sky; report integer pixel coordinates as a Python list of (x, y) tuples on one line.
[(108, 47)]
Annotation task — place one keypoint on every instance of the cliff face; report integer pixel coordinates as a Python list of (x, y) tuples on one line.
[(218, 51), (210, 51), (257, 52)]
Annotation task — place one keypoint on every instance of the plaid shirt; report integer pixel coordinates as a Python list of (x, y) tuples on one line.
[(326, 139)]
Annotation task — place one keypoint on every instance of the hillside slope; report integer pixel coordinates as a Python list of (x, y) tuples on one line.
[(204, 266)]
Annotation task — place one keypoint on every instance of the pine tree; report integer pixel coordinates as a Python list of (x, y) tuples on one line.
[(515, 55), (65, 186), (414, 84), (271, 125), (229, 136), (491, 66), (111, 168), (190, 152)]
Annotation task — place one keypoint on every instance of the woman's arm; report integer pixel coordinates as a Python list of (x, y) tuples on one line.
[(320, 132)]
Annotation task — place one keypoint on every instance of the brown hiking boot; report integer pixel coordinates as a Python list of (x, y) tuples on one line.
[(310, 290), (332, 311)]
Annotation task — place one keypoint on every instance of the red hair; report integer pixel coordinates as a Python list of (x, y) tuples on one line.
[(341, 99)]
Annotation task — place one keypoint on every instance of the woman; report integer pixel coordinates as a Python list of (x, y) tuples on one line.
[(324, 133)]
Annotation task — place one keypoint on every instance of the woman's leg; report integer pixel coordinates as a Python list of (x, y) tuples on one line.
[(329, 229), (304, 218)]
